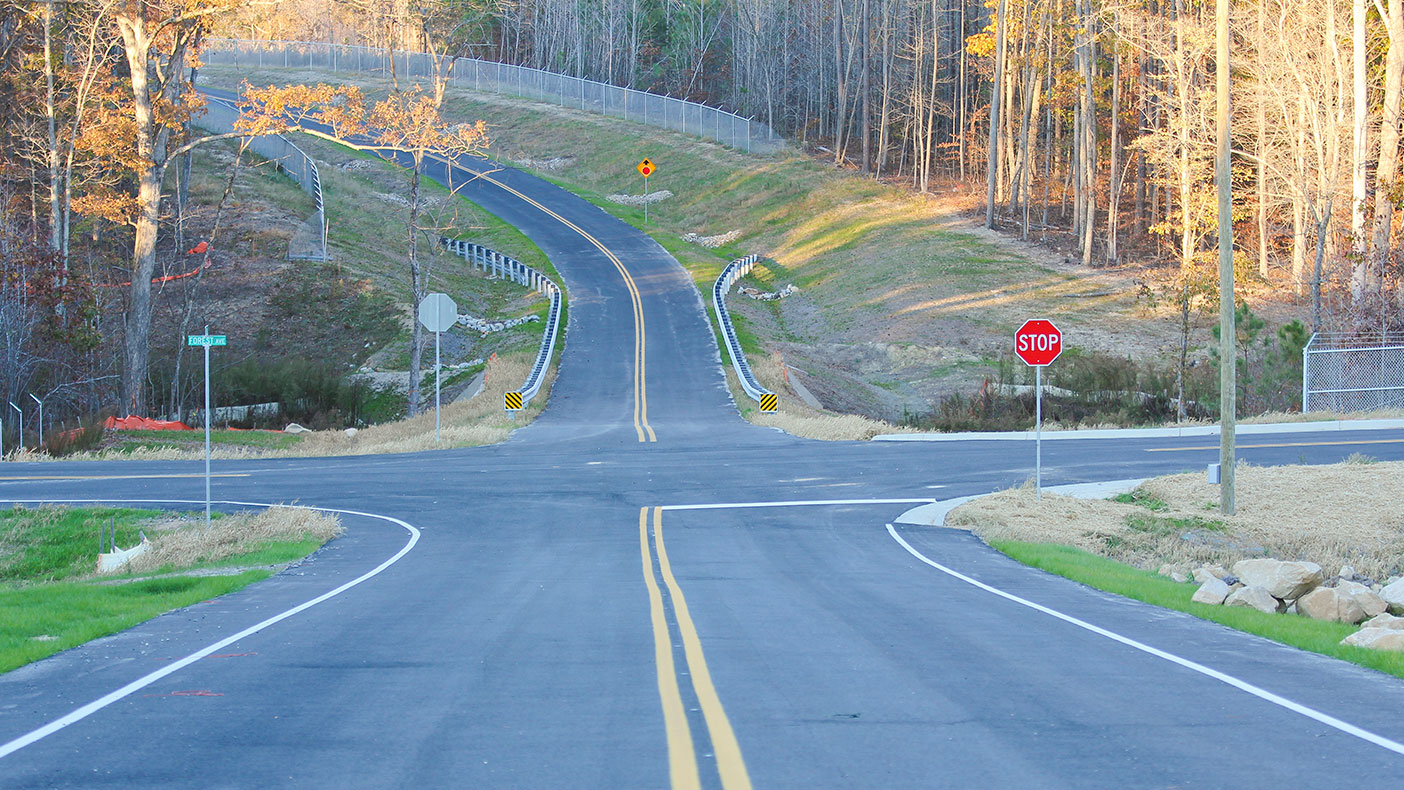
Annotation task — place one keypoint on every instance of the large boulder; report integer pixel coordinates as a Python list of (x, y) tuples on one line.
[(1376, 639), (1330, 603), (1178, 572), (1388, 621), (1204, 573), (1213, 592), (1254, 598), (1285, 580), (1368, 599), (1393, 595)]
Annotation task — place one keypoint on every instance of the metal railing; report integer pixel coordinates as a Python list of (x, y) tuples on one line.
[(734, 271), (310, 242), (494, 262), (666, 112), (1349, 372)]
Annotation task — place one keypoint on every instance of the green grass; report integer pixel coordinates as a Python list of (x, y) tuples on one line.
[(46, 553), (453, 377), (75, 613), (1316, 636), (1139, 497), (52, 544), (273, 440), (1162, 526)]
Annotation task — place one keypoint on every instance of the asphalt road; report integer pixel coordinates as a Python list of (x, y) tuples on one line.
[(641, 590)]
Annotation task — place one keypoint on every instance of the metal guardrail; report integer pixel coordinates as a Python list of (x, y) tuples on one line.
[(1350, 372), (219, 117), (494, 262), (725, 127), (734, 271)]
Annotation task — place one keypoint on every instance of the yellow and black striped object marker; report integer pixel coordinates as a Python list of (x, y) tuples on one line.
[(514, 401), (769, 401)]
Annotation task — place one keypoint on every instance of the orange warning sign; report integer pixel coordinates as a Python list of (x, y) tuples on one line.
[(646, 167)]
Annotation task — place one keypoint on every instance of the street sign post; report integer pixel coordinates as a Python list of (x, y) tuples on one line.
[(646, 168), (1038, 342), (438, 314), (206, 340)]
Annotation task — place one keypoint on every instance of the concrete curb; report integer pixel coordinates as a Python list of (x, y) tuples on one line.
[(1145, 433), (934, 514)]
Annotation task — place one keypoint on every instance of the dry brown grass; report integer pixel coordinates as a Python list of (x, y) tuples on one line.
[(795, 418), (468, 424), (1343, 514), (179, 543)]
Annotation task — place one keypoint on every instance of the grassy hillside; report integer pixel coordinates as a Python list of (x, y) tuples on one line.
[(903, 298)]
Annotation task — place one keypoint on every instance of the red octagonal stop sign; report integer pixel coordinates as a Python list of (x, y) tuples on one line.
[(1038, 342)]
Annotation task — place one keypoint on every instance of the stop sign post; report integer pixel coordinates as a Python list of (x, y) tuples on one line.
[(1038, 342), (438, 314)]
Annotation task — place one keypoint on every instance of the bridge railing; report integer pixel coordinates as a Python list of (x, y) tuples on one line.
[(734, 271), (310, 242), (712, 123), (495, 263)]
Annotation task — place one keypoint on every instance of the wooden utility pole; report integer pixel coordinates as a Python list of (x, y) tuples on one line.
[(1228, 354)]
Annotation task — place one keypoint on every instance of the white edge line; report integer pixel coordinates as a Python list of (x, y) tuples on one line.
[(799, 503), (136, 685), (1242, 685)]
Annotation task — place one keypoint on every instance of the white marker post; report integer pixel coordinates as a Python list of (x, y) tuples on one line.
[(438, 314), (41, 418), (1038, 342), (19, 426), (207, 340)]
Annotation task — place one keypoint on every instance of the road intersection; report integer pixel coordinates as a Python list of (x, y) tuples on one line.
[(641, 590)]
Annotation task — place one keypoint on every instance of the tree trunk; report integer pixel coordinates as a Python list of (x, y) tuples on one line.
[(961, 100), (1262, 159), (52, 149), (1114, 196), (1089, 130), (1360, 140), (996, 90), (865, 123), (1386, 169), (417, 289), (151, 166)]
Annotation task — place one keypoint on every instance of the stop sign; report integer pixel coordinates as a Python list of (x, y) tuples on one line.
[(1038, 342)]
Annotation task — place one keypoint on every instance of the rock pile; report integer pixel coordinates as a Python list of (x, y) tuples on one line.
[(1302, 588), (640, 200), (481, 325), (756, 293), (712, 242)]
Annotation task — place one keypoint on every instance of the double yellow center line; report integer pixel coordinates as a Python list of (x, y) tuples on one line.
[(682, 754), (641, 426)]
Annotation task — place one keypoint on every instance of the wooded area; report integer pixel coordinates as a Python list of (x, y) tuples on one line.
[(1088, 120), (1102, 111)]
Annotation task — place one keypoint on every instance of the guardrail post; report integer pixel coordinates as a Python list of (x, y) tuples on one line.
[(1306, 375)]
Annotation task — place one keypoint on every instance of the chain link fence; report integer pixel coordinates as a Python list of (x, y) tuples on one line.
[(309, 241), (1344, 372), (665, 112)]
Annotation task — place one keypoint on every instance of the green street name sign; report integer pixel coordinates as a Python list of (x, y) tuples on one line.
[(205, 340)]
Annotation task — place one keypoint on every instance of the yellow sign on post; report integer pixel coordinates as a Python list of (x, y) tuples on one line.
[(514, 401), (769, 401), (646, 168)]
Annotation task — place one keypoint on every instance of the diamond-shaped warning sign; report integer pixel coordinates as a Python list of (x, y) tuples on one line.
[(646, 167)]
